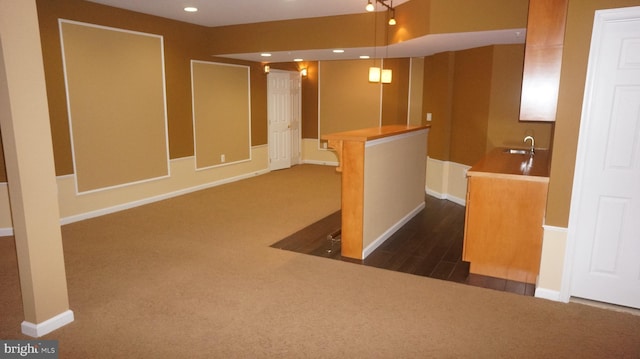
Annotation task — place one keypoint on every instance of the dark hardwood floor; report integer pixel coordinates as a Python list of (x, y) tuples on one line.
[(430, 245)]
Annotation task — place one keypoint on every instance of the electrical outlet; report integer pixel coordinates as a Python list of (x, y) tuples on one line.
[(222, 158)]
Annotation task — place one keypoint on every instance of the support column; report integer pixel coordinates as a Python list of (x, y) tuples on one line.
[(26, 136)]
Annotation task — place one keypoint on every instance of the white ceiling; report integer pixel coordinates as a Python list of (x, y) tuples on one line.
[(231, 12), (418, 47)]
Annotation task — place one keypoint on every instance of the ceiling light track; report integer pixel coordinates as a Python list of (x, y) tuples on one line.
[(390, 9)]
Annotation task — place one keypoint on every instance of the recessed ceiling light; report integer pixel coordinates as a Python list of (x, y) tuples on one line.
[(297, 60), (265, 54), (338, 51), (364, 57), (190, 9)]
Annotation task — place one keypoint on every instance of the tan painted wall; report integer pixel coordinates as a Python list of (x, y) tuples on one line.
[(310, 101), (221, 95), (474, 98), (184, 179), (128, 118), (473, 15), (395, 96), (394, 177), (348, 101), (182, 43), (438, 100), (415, 18), (504, 129), (471, 102), (416, 84), (574, 66)]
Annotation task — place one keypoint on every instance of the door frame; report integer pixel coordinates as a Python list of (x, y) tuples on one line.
[(299, 139), (595, 54)]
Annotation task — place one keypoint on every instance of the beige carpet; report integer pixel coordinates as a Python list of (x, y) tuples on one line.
[(194, 277)]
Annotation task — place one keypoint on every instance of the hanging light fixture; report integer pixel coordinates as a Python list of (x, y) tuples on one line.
[(385, 76), (390, 9), (374, 74), (392, 19), (377, 74), (370, 7), (380, 74)]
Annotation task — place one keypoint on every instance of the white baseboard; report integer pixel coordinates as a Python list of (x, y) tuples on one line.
[(447, 180), (49, 325), (389, 232), (457, 200), (321, 163), (446, 196), (549, 294), (435, 194), (124, 206), (555, 229), (554, 265)]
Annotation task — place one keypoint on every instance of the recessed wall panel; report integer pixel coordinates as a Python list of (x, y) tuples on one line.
[(116, 104), (221, 113)]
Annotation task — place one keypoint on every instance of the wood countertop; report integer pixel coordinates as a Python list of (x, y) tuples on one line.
[(501, 163), (373, 133)]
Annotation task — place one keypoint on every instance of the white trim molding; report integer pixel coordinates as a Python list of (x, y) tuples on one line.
[(49, 325), (320, 163), (128, 205), (550, 280), (313, 153), (447, 180), (184, 179), (548, 294)]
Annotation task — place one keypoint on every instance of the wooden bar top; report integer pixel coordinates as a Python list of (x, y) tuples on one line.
[(373, 133), (500, 163)]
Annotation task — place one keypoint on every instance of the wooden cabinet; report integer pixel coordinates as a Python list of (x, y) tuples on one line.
[(543, 59), (503, 227), (504, 215)]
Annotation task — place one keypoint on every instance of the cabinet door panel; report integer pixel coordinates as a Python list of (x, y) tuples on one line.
[(503, 234), (543, 59)]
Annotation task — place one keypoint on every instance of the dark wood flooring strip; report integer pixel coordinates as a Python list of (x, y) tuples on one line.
[(430, 245), (313, 239)]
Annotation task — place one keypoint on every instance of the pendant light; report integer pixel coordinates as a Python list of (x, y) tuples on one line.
[(380, 74)]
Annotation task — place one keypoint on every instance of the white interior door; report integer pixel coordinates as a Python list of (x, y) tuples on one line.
[(296, 117), (605, 207), (283, 106)]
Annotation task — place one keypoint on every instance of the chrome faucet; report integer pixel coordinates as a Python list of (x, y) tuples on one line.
[(532, 142)]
